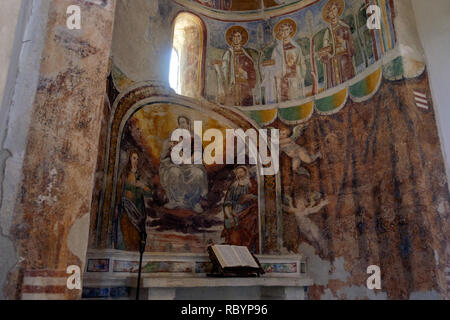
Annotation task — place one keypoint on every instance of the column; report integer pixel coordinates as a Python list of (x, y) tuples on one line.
[(49, 223)]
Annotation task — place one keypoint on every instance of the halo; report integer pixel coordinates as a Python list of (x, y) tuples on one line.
[(282, 22), (339, 3), (242, 167), (241, 30)]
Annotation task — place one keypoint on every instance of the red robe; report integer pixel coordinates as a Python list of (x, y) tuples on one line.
[(339, 63), (241, 92), (246, 232)]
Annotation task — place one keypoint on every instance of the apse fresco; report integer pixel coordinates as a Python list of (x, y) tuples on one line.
[(362, 179), (181, 208), (295, 56)]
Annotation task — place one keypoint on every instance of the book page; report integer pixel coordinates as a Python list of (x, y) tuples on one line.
[(226, 256), (245, 257)]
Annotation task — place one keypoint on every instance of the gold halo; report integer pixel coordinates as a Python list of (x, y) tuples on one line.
[(241, 30), (339, 3), (282, 22)]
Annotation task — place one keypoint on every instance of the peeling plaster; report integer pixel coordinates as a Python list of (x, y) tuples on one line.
[(24, 81), (17, 102), (7, 250), (436, 257), (77, 240), (353, 293), (328, 295), (47, 197), (4, 155), (318, 269), (425, 295), (7, 262), (441, 208), (321, 270), (339, 270), (360, 292), (135, 25)]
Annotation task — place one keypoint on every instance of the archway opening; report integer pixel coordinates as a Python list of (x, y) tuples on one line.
[(174, 73), (188, 55)]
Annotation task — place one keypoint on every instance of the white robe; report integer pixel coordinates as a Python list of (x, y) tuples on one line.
[(274, 74)]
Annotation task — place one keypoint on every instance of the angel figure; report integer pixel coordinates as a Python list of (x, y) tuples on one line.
[(301, 211), (297, 153)]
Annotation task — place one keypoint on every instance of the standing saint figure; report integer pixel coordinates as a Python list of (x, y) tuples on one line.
[(241, 211), (338, 49), (238, 69), (185, 185), (289, 66), (131, 215)]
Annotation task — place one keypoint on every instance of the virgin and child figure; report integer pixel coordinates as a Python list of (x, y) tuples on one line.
[(185, 185), (284, 73)]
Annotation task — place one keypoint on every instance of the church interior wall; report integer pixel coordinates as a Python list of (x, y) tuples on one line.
[(377, 149), (432, 26), (89, 115)]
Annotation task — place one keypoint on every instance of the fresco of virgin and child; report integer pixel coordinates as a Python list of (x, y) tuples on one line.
[(185, 185), (178, 207), (284, 73)]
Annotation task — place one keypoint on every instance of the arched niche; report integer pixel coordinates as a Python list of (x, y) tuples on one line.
[(189, 43), (154, 111)]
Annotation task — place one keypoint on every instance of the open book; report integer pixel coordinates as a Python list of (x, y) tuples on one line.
[(234, 256)]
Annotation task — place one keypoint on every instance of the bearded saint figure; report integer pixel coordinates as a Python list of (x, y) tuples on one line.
[(241, 211)]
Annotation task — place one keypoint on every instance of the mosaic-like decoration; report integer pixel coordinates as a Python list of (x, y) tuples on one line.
[(279, 267), (125, 266), (98, 265), (103, 293)]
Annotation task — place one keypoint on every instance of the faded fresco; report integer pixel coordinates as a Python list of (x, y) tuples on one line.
[(181, 208), (295, 56), (188, 43), (362, 179), (236, 70)]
